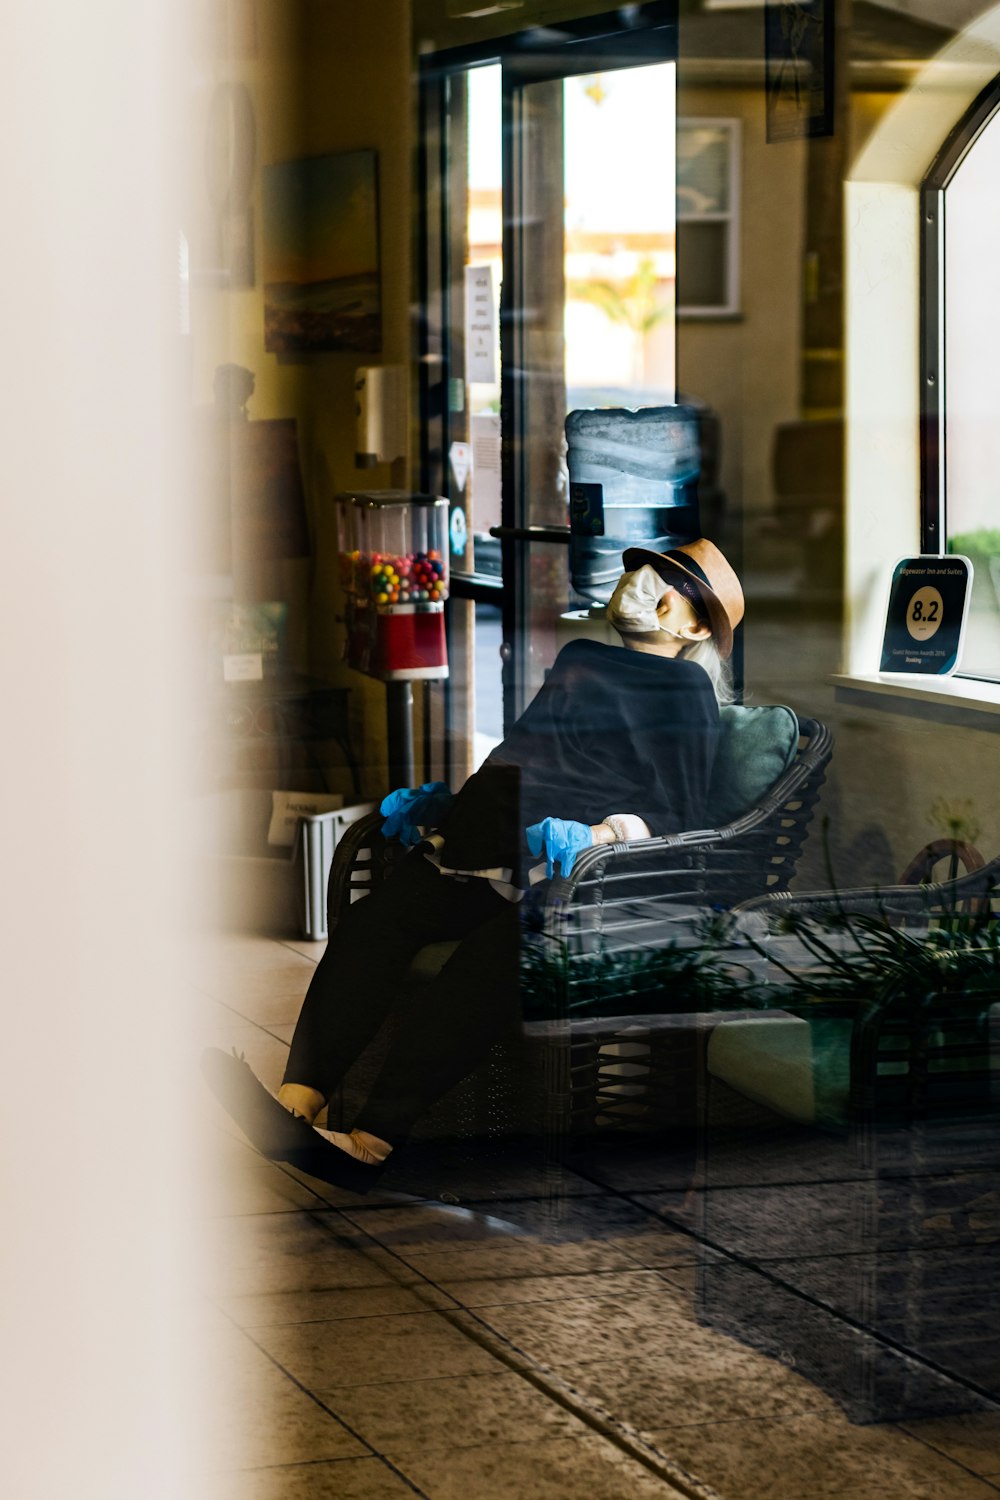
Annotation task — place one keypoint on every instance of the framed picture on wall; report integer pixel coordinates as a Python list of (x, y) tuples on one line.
[(322, 280), (798, 50)]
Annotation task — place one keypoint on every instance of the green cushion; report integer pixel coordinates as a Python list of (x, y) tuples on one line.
[(756, 746)]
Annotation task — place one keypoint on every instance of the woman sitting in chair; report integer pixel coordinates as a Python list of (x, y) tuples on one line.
[(618, 744)]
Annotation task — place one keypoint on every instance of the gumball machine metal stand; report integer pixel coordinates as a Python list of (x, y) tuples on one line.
[(393, 550)]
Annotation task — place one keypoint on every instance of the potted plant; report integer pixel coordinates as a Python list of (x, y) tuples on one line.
[(982, 548), (911, 1010)]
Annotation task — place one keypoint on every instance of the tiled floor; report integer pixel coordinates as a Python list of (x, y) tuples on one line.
[(528, 1345)]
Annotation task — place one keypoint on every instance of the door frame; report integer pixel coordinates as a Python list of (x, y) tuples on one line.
[(628, 37)]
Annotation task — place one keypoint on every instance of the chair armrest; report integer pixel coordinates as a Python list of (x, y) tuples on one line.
[(981, 885), (361, 859), (807, 767)]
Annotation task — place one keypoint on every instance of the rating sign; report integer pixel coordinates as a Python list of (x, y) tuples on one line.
[(925, 618)]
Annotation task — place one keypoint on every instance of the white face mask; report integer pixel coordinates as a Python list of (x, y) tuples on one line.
[(632, 607)]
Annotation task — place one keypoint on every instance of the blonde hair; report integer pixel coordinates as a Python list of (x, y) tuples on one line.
[(720, 675)]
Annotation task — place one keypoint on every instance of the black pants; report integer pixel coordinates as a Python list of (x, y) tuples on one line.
[(446, 1029)]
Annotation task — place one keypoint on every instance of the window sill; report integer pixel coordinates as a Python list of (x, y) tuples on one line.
[(948, 700)]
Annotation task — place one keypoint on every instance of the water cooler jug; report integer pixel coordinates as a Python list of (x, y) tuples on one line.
[(633, 482)]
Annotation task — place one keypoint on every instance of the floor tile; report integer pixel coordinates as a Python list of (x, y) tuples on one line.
[(662, 1250), (339, 1291), (372, 1350), (685, 1278), (973, 1441), (819, 1457), (429, 1227), (614, 1231), (289, 1252), (501, 1291), (283, 1030), (237, 1180), (349, 1479), (409, 1418), (515, 1258), (604, 1220), (778, 1153), (212, 957), (383, 1195), (266, 1054), (691, 1386), (306, 948), (273, 1310), (777, 1221), (570, 1335), (598, 1217), (261, 1417), (480, 1176), (663, 1166), (267, 995), (552, 1469)]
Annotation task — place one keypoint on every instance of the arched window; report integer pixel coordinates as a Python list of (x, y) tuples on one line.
[(960, 366)]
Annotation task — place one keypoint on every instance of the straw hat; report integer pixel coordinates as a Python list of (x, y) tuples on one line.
[(704, 566)]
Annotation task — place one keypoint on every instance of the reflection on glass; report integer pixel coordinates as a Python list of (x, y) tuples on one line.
[(595, 326), (619, 228), (489, 688), (972, 299), (593, 185), (703, 153), (484, 275)]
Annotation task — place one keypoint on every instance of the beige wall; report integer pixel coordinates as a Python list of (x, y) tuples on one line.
[(228, 325), (747, 368), (358, 96), (323, 77), (890, 769)]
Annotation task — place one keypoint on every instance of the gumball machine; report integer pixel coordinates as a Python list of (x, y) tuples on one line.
[(393, 551)]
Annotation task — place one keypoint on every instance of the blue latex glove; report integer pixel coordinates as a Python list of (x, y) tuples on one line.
[(562, 841), (411, 808)]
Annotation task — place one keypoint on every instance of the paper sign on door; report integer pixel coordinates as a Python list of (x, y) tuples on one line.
[(480, 326)]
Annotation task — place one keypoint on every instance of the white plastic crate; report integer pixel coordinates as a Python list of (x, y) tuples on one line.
[(320, 835)]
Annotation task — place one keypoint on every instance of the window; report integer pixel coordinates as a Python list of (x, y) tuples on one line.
[(708, 278), (960, 375)]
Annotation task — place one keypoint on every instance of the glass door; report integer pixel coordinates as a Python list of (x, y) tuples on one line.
[(549, 273), (589, 241), (462, 244)]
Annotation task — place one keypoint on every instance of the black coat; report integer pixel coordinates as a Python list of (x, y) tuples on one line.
[(610, 731)]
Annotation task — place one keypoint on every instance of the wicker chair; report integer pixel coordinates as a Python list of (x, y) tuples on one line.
[(979, 890), (619, 899)]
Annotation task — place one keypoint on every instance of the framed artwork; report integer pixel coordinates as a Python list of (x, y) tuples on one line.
[(322, 285), (229, 175), (798, 50)]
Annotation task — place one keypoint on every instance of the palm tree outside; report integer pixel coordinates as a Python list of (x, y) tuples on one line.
[(634, 302)]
